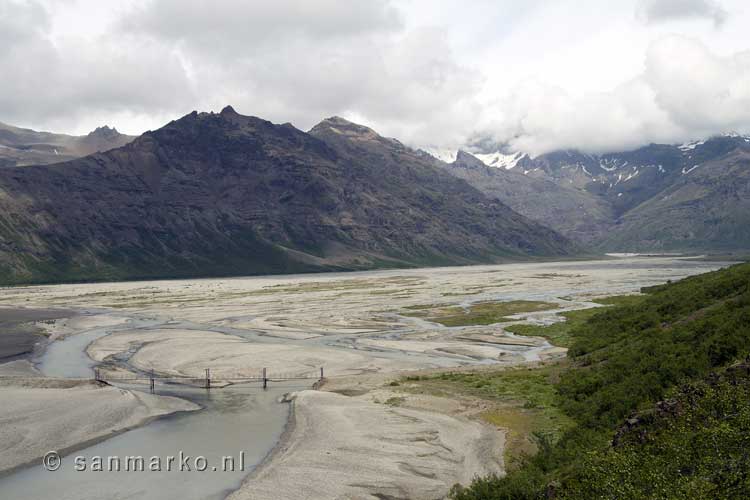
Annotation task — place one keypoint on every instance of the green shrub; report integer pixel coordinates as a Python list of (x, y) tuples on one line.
[(673, 342)]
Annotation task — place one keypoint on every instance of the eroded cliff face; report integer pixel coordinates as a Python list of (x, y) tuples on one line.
[(225, 194)]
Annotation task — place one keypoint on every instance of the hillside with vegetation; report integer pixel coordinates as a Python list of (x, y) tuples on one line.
[(657, 389)]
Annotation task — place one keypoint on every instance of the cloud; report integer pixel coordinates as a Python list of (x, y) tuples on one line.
[(300, 61), (21, 23), (244, 27), (45, 80), (541, 118), (701, 92), (685, 92), (286, 60), (659, 11)]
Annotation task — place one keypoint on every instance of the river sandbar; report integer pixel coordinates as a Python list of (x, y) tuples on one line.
[(39, 415)]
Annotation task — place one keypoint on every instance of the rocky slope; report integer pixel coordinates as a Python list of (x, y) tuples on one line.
[(578, 214), (656, 198), (708, 207), (225, 194), (20, 146)]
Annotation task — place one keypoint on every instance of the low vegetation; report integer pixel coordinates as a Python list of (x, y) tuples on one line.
[(559, 333), (521, 400), (480, 313), (695, 444), (657, 395)]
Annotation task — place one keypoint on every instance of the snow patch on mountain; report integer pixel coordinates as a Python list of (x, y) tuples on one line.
[(689, 146), (501, 160), (443, 154), (630, 176), (686, 170)]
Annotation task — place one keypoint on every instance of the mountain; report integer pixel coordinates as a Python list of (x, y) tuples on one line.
[(580, 215), (627, 179), (709, 202), (21, 146), (656, 198), (226, 194), (396, 169)]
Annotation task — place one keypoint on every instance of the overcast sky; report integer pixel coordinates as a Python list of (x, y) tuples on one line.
[(539, 74)]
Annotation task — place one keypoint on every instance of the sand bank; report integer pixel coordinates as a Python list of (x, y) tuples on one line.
[(349, 447), (19, 368), (190, 352), (21, 329), (39, 415)]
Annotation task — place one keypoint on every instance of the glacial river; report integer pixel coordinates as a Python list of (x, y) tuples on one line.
[(241, 422), (245, 422)]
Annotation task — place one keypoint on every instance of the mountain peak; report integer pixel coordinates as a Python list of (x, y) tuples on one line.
[(104, 132), (467, 160), (228, 110), (345, 127), (337, 120)]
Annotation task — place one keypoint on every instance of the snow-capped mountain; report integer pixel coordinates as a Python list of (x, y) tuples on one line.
[(502, 160), (603, 190), (447, 155), (491, 153)]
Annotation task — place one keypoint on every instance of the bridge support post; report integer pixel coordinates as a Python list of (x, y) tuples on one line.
[(208, 378), (265, 379), (321, 373), (151, 381)]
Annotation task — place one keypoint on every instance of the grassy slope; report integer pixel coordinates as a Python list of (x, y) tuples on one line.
[(625, 359)]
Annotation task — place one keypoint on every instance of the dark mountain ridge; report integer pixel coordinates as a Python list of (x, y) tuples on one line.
[(225, 194)]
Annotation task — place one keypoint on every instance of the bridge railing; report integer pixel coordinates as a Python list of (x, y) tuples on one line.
[(210, 378)]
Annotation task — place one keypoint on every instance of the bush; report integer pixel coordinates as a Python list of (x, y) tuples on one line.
[(624, 360)]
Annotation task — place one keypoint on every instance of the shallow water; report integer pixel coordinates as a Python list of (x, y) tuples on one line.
[(233, 421), (242, 422), (67, 357)]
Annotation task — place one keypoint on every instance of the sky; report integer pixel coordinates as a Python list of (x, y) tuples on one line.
[(537, 75)]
